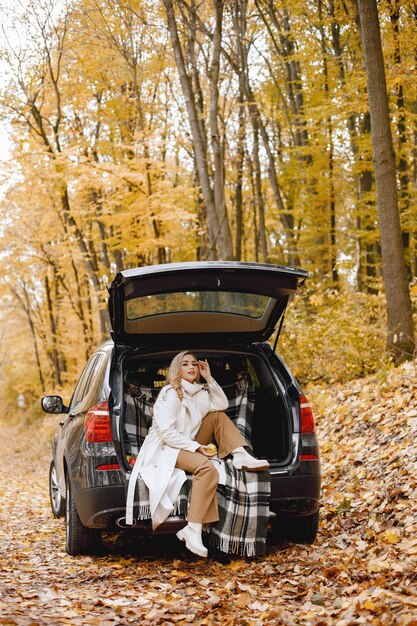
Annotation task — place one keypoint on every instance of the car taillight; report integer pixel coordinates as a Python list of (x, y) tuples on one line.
[(307, 418), (108, 467), (97, 426)]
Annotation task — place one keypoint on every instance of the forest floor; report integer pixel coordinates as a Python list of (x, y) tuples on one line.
[(362, 569)]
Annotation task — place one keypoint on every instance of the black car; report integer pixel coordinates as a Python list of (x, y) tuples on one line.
[(222, 311)]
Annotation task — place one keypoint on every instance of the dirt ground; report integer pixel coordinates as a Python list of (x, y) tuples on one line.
[(361, 570)]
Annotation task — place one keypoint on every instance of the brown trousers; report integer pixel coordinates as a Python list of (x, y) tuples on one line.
[(203, 505)]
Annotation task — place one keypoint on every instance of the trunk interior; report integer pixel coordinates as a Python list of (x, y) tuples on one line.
[(255, 402)]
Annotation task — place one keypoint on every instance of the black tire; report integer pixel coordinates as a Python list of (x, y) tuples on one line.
[(304, 529), (78, 538), (276, 530), (55, 496)]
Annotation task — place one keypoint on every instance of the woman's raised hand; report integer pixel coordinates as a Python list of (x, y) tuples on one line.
[(205, 370)]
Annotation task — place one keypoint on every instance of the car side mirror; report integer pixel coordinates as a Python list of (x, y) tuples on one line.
[(53, 404)]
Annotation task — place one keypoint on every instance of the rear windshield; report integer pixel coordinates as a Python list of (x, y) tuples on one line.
[(246, 304)]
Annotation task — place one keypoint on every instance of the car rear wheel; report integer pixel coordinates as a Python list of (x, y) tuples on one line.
[(304, 529), (55, 496), (79, 538)]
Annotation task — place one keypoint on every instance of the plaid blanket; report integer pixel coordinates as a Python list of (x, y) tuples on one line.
[(243, 513), (244, 499), (241, 396), (139, 401), (141, 507)]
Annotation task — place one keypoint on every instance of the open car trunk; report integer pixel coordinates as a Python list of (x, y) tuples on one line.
[(255, 402), (214, 302)]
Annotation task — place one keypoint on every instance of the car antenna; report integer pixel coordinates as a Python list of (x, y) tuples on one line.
[(279, 331)]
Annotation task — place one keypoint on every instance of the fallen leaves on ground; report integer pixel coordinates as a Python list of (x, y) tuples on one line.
[(361, 570)]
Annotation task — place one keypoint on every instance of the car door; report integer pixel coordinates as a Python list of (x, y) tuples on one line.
[(213, 302)]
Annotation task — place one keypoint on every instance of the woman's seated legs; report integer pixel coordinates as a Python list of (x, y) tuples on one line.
[(203, 507), (229, 441), (227, 436)]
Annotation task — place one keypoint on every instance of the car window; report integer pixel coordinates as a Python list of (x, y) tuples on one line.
[(246, 304), (96, 389), (90, 382), (82, 386)]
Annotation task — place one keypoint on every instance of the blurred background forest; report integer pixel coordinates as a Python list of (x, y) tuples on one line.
[(153, 131)]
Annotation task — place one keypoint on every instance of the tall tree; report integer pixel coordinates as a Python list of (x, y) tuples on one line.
[(400, 338), (404, 204), (211, 177)]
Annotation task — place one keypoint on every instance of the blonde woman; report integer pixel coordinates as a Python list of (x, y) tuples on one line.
[(186, 418)]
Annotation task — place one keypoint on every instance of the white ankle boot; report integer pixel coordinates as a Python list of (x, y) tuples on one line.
[(191, 534), (244, 461)]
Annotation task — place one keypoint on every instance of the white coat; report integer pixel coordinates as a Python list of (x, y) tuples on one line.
[(175, 424)]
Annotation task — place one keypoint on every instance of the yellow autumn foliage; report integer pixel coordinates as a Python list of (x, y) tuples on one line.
[(331, 336), (103, 172)]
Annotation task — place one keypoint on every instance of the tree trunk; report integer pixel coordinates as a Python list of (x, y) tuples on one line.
[(400, 339), (25, 304), (287, 218), (368, 265), (52, 327), (259, 199), (240, 25), (253, 207), (216, 215), (240, 158), (402, 140), (369, 259), (330, 143), (224, 236), (90, 265)]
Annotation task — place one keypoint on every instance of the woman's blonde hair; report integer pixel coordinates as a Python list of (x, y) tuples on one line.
[(174, 372)]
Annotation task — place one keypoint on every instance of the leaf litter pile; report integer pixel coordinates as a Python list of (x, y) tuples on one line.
[(361, 569)]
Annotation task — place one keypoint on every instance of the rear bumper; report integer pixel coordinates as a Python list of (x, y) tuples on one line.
[(99, 507)]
